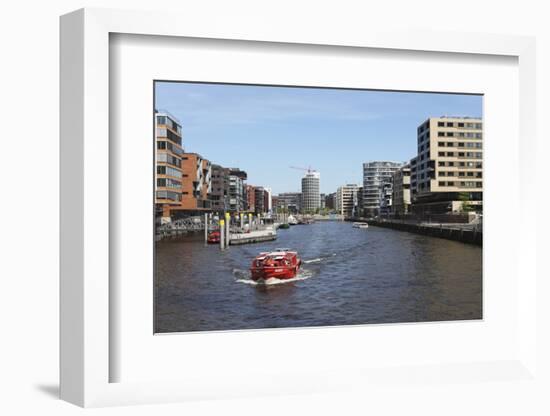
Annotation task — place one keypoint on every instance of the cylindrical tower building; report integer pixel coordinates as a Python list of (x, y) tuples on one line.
[(311, 198)]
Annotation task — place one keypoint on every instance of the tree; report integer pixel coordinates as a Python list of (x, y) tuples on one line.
[(466, 205)]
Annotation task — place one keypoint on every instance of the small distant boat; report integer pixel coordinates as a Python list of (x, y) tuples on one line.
[(360, 225), (213, 237), (280, 264), (292, 220)]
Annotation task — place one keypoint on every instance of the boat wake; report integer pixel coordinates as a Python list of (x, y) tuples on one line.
[(318, 259), (244, 277)]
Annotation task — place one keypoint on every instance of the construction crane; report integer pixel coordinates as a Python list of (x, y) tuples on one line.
[(309, 169)]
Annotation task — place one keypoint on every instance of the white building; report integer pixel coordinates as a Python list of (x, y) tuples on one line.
[(377, 180), (401, 198), (311, 198), (346, 199), (268, 200)]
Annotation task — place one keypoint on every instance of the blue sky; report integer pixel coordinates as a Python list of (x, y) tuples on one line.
[(264, 130)]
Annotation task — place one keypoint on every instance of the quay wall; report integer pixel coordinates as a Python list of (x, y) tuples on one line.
[(449, 233)]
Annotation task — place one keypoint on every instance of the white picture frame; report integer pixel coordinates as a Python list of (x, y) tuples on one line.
[(86, 353)]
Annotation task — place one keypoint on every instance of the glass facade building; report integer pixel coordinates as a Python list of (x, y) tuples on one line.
[(377, 180)]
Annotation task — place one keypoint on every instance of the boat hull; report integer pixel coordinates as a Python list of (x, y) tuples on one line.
[(266, 273), (281, 264), (213, 238)]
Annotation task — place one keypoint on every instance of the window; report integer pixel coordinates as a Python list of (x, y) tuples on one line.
[(450, 184), (441, 144), (440, 133), (450, 154), (441, 183), (450, 124), (460, 154), (478, 135), (478, 126), (440, 163), (450, 134), (173, 137), (450, 144), (460, 144), (441, 153), (442, 174), (460, 134), (440, 124), (460, 173), (169, 183), (161, 145), (460, 124), (450, 163)]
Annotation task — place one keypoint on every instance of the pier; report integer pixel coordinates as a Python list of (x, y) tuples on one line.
[(234, 231), (463, 227), (258, 236)]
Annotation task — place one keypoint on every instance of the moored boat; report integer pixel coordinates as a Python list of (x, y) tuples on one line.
[(360, 225), (213, 237), (279, 264), (292, 220)]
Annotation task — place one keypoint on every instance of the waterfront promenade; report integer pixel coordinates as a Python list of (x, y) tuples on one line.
[(464, 227)]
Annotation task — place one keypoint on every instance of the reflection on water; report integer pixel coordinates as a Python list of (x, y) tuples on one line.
[(349, 276)]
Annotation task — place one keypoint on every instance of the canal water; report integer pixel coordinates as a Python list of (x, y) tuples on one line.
[(350, 276)]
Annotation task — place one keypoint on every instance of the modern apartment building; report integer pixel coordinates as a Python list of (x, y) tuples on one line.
[(220, 187), (311, 198), (259, 200), (401, 198), (239, 173), (235, 193), (346, 199), (377, 179), (250, 198), (414, 178), (358, 209), (169, 149), (267, 200), (330, 201), (290, 202), (197, 183), (449, 163)]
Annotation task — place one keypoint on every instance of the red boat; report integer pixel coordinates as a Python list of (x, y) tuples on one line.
[(280, 264), (213, 237)]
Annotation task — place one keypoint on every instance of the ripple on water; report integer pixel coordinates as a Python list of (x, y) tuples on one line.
[(349, 276)]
